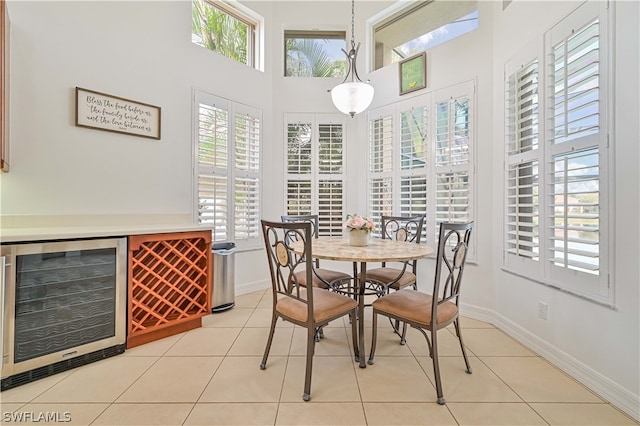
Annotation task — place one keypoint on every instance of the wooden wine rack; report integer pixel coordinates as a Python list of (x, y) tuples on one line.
[(169, 284)]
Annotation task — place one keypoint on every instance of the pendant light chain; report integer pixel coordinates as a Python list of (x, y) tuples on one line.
[(353, 19)]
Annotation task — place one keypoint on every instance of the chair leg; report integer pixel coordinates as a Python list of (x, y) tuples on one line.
[(354, 337), (403, 338), (311, 343), (274, 318), (374, 337), (395, 324), (426, 336), (436, 366), (464, 352)]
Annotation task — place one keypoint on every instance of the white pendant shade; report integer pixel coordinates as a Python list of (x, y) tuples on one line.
[(352, 98)]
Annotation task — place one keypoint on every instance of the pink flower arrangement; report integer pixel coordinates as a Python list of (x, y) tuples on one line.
[(355, 223)]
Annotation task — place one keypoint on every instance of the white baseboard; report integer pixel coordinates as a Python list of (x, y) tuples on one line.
[(247, 288), (598, 383)]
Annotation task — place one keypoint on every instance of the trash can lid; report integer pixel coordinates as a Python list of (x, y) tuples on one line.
[(223, 246)]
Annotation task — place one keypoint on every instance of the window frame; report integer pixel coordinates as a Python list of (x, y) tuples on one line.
[(230, 171), (570, 279)]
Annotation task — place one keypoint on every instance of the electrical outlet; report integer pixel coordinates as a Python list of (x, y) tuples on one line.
[(543, 310)]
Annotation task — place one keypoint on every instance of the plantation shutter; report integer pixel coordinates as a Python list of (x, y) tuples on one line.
[(331, 176), (413, 162), (299, 197), (522, 160), (380, 167), (213, 162), (247, 173), (299, 190), (577, 150), (330, 213), (451, 158), (315, 169), (575, 211), (522, 237)]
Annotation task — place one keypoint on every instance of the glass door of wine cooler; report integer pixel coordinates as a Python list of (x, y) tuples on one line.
[(62, 300)]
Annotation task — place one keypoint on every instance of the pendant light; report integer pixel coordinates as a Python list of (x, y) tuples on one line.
[(354, 96)]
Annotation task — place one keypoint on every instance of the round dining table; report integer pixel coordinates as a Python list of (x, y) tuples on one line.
[(377, 250)]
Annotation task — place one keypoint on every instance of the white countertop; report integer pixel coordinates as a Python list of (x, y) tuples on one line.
[(37, 234), (67, 228)]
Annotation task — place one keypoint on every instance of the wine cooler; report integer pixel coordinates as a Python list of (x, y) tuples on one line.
[(63, 305)]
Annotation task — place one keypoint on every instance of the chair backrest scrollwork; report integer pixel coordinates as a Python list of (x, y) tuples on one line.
[(453, 246), (310, 218), (284, 263), (403, 228)]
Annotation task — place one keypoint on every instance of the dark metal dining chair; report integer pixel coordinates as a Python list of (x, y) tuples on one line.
[(386, 278), (432, 312), (399, 228), (308, 307), (322, 277)]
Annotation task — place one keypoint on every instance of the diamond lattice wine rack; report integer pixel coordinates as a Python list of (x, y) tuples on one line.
[(169, 284)]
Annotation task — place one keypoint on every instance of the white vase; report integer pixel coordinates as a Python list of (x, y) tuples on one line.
[(358, 238)]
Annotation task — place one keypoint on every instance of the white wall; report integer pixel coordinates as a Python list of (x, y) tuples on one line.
[(136, 50), (142, 51), (597, 344)]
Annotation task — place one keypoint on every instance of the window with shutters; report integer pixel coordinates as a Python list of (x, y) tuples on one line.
[(556, 156), (315, 169), (420, 158), (227, 159)]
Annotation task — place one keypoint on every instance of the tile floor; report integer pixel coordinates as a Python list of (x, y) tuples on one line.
[(211, 376)]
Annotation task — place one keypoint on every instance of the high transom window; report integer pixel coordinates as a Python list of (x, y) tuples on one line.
[(314, 53), (421, 26), (226, 30)]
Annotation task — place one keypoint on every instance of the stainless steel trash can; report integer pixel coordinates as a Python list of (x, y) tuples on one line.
[(223, 294)]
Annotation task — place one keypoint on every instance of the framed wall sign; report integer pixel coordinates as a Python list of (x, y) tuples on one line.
[(100, 111), (413, 73)]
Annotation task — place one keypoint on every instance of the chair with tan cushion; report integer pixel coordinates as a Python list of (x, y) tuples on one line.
[(399, 228), (322, 277), (432, 312), (308, 307), (387, 277)]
